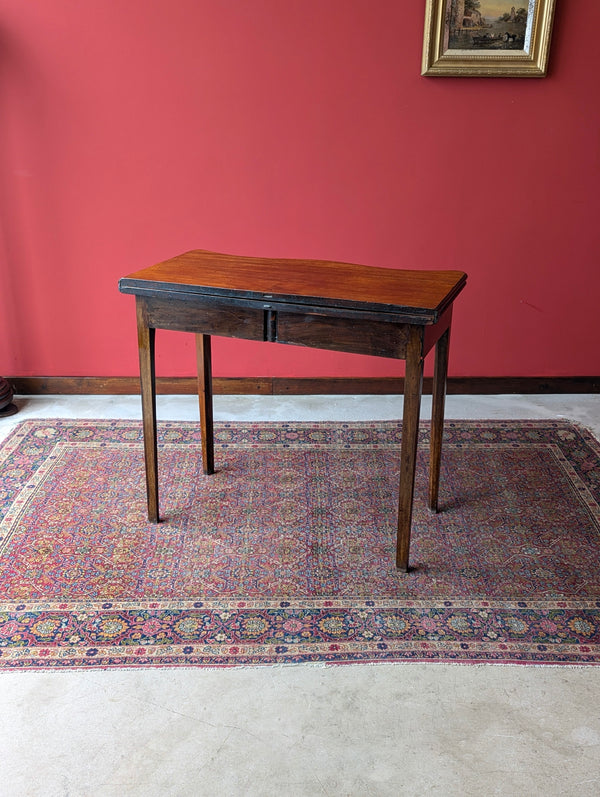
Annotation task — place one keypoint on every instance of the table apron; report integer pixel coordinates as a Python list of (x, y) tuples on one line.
[(296, 326), (376, 338)]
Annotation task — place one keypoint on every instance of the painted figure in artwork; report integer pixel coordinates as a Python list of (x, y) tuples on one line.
[(486, 25)]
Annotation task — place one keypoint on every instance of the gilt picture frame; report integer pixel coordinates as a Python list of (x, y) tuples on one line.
[(487, 38)]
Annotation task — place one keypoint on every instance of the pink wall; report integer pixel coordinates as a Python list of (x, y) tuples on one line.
[(133, 130)]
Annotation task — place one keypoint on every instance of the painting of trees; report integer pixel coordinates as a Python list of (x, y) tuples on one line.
[(519, 15)]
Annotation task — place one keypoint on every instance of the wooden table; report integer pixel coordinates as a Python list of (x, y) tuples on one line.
[(322, 304)]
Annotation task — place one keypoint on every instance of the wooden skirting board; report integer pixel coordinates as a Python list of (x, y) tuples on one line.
[(281, 386)]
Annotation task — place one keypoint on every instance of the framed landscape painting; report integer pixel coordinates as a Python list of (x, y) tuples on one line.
[(495, 38)]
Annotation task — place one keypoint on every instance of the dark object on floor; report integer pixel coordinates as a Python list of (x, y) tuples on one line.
[(6, 394)]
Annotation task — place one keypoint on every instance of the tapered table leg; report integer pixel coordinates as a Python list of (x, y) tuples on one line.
[(413, 386), (437, 416), (204, 363), (146, 337)]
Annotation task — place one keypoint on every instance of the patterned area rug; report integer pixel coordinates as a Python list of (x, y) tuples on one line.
[(286, 554)]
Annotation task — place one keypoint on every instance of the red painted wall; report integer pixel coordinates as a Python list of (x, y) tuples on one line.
[(133, 130)]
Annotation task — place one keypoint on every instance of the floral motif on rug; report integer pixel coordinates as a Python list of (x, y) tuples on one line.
[(286, 553)]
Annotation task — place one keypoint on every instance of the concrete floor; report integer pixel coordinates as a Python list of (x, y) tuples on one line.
[(408, 729)]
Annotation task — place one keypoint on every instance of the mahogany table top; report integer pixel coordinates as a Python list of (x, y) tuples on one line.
[(424, 294)]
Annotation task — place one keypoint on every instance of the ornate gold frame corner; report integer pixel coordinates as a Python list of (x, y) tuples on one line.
[(441, 60)]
